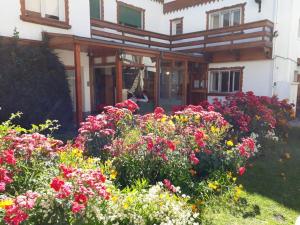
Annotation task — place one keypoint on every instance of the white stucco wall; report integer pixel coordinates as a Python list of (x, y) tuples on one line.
[(10, 11), (194, 18), (257, 76)]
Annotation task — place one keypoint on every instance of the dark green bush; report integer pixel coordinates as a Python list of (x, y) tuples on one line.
[(33, 81)]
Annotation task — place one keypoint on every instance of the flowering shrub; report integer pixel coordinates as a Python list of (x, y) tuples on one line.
[(182, 148), (247, 113)]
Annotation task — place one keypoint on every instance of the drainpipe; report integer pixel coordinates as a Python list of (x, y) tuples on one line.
[(275, 20)]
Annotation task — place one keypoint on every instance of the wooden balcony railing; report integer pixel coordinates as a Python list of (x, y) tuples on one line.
[(114, 32), (249, 35)]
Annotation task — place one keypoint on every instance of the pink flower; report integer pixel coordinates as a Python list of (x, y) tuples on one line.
[(194, 159), (77, 208), (167, 183), (242, 170)]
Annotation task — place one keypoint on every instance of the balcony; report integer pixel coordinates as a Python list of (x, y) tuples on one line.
[(256, 35)]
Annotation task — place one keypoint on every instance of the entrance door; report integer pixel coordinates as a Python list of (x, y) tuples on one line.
[(171, 85), (198, 83), (104, 87)]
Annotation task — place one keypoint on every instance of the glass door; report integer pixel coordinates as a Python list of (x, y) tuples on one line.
[(171, 84)]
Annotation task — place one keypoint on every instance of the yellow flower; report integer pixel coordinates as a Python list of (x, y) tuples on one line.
[(125, 206), (213, 186), (215, 129), (229, 143), (5, 203), (229, 175), (234, 179), (114, 198), (113, 174), (164, 119), (257, 117)]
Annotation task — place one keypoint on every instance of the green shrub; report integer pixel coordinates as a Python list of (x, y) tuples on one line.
[(33, 81)]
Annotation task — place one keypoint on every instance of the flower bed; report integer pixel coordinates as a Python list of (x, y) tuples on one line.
[(126, 168)]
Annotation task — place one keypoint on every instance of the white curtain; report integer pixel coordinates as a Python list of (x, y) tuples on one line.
[(33, 5)]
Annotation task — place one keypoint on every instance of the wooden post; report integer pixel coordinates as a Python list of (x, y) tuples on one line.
[(78, 82), (156, 82), (92, 88), (119, 78), (185, 82)]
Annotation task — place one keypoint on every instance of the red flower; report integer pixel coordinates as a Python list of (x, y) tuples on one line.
[(9, 157), (80, 198), (129, 104), (171, 145), (76, 207), (242, 170), (56, 184), (158, 113), (67, 171), (14, 215), (194, 159)]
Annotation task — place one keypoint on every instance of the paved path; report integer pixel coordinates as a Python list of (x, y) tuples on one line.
[(295, 123)]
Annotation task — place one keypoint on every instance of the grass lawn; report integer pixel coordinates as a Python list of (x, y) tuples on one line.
[(272, 189)]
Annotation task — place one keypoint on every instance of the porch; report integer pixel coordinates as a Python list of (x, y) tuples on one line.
[(166, 70)]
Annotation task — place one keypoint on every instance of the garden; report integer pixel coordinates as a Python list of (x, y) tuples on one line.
[(184, 167)]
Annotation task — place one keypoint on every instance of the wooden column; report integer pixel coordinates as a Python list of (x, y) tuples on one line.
[(119, 78), (78, 82), (156, 83), (185, 82), (92, 89)]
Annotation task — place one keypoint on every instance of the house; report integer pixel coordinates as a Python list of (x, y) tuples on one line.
[(173, 52)]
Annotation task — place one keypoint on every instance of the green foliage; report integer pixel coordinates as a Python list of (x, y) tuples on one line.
[(33, 80)]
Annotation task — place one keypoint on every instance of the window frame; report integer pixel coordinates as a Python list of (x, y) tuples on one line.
[(35, 17), (180, 20), (221, 12), (230, 70), (141, 10)]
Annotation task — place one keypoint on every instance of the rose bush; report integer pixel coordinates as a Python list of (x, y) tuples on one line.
[(183, 148), (267, 117), (125, 168)]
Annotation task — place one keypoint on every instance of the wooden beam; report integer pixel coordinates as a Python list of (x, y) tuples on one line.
[(119, 78), (78, 82)]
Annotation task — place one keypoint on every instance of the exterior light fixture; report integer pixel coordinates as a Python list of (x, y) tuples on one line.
[(259, 4), (168, 73)]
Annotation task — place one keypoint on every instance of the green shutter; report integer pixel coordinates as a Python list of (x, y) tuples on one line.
[(130, 17), (95, 9)]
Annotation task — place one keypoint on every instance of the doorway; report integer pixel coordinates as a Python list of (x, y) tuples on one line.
[(104, 87)]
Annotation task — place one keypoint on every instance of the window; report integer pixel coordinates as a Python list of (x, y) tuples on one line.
[(130, 15), (46, 12), (96, 9), (225, 81), (226, 17), (176, 26)]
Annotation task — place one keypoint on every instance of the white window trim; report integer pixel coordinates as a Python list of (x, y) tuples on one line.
[(210, 83), (221, 13)]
